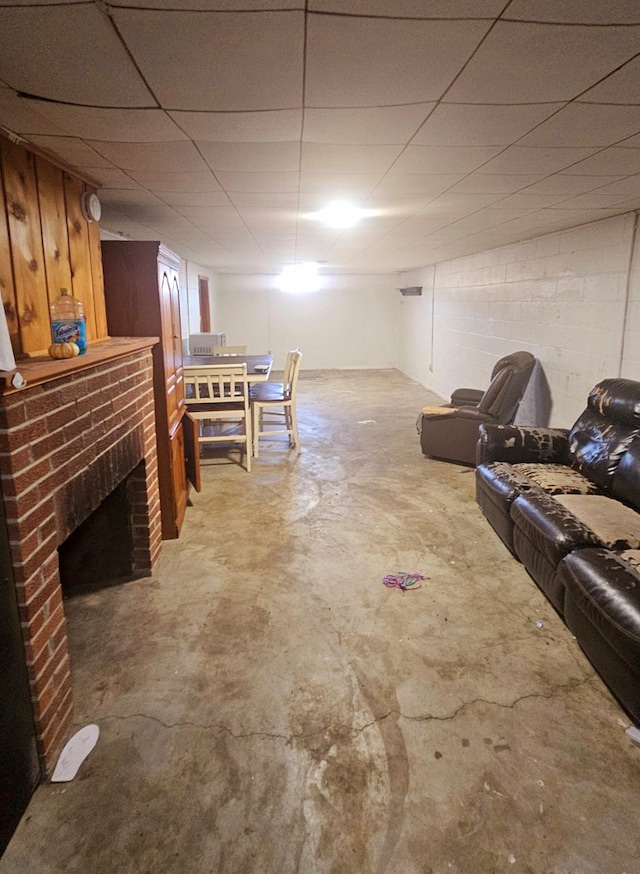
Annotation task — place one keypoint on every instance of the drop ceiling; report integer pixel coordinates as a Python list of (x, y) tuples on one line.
[(221, 126)]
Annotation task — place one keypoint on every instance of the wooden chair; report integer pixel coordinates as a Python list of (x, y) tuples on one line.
[(219, 393), (229, 350), (273, 405)]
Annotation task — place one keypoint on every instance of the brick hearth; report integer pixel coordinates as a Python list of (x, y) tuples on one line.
[(66, 441)]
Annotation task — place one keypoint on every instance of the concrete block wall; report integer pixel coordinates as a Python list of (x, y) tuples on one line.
[(571, 298)]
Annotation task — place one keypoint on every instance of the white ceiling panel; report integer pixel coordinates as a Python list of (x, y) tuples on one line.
[(544, 62), (338, 186), (251, 157), (18, 114), (244, 61), (84, 62), (609, 162), (438, 159), (586, 124), (623, 86), (384, 125), (411, 8), (520, 159), (328, 158), (171, 157), (258, 182), (267, 126), (476, 125), (178, 199), (210, 5), (575, 11), (355, 61), (494, 183), (111, 125), (220, 127), (160, 181), (72, 150), (563, 183), (417, 183)]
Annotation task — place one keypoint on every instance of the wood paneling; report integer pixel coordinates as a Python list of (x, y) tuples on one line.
[(54, 227), (7, 289), (79, 254), (25, 240), (46, 244)]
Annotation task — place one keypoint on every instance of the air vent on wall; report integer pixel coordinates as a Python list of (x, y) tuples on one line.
[(412, 291)]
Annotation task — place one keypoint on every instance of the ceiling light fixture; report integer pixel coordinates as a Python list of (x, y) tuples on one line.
[(340, 214), (299, 278)]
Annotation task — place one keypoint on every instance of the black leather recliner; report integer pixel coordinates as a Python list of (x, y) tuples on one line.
[(450, 431)]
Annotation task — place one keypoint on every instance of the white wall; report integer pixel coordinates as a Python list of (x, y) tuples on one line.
[(352, 322), (564, 297)]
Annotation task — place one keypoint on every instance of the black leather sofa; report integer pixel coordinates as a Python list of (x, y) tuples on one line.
[(567, 504)]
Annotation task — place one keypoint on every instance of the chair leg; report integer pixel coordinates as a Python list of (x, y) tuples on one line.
[(248, 446), (293, 420), (257, 418)]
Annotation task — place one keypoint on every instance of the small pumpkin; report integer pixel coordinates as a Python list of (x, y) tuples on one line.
[(64, 350)]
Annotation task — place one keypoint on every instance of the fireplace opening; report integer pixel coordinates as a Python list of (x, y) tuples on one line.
[(100, 551)]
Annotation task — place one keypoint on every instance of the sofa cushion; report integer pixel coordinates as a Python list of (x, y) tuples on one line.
[(607, 592), (614, 524), (557, 479), (549, 527)]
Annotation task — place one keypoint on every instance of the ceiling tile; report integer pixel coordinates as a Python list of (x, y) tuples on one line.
[(328, 158), (609, 162), (336, 185), (240, 61), (85, 62), (521, 159), (268, 126), (22, 117), (544, 62), (619, 87), (114, 177), (562, 183), (384, 125), (355, 61), (211, 5), (481, 125), (112, 125), (584, 124), (278, 182), (251, 157), (575, 11), (271, 200), (159, 181), (411, 8), (73, 151), (178, 199), (417, 183), (494, 183), (176, 157), (438, 159)]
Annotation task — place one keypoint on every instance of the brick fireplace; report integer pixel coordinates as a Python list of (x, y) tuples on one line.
[(76, 432)]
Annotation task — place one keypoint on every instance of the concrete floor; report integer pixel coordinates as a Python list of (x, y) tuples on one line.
[(267, 706)]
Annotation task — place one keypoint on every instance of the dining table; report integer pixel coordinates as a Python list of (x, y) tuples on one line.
[(258, 366)]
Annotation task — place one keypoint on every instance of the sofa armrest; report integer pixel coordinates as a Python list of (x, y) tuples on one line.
[(514, 444), (465, 396)]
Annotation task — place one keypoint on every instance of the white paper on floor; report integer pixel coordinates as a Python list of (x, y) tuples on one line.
[(74, 753)]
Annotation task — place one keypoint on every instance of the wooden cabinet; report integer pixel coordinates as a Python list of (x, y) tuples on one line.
[(142, 295)]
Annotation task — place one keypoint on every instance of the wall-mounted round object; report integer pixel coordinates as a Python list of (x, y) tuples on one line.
[(91, 207)]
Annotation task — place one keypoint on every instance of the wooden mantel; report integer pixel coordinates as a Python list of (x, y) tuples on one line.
[(42, 369)]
